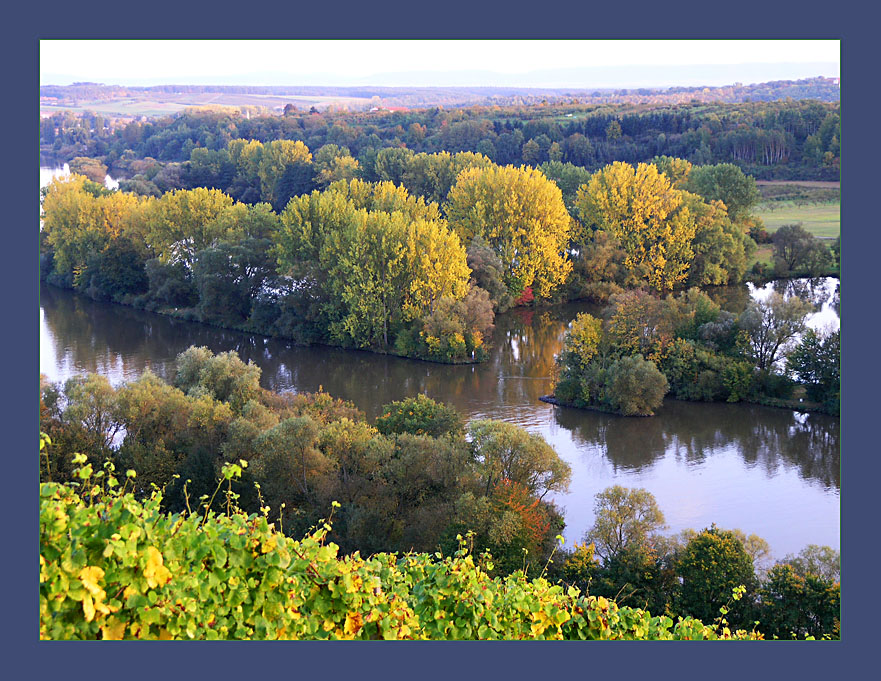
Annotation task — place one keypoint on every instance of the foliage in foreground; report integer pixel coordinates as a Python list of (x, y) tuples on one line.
[(113, 567)]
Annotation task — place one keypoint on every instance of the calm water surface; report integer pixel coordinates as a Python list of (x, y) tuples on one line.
[(772, 472)]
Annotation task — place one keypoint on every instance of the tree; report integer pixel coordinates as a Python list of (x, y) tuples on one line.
[(646, 215), (634, 386), (92, 168), (677, 170), (276, 157), (797, 249), (816, 362), (332, 163), (711, 566), (771, 325), (224, 376), (582, 340), (623, 518), (503, 451), (433, 175), (229, 277), (798, 606), (721, 248), (521, 216), (822, 561), (381, 256), (392, 162), (184, 222), (727, 183)]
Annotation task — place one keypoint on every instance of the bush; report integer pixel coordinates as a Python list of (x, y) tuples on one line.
[(635, 386), (419, 415)]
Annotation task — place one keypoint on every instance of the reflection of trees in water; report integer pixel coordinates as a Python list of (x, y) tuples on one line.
[(763, 436), (731, 298), (815, 291), (121, 342)]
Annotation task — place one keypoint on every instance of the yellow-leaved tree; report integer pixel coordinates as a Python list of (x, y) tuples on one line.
[(646, 215), (521, 215)]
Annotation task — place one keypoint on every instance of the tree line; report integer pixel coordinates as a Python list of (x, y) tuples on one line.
[(771, 140), (415, 263)]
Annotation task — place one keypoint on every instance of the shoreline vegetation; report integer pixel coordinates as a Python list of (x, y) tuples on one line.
[(323, 526)]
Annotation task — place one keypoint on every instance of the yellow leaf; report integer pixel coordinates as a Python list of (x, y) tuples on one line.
[(353, 623), (268, 545), (164, 635), (88, 608), (89, 576), (113, 630), (155, 572)]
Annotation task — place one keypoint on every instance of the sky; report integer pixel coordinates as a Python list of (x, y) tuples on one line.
[(529, 63)]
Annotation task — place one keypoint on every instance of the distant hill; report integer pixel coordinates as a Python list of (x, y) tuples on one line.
[(158, 100)]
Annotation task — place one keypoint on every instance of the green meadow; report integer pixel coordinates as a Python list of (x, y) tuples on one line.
[(820, 219)]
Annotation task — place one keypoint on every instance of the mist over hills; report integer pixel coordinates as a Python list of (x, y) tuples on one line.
[(581, 78)]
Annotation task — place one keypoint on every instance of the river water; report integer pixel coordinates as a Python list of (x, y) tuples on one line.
[(771, 472)]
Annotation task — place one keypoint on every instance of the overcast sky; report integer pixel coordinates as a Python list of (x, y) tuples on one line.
[(416, 62)]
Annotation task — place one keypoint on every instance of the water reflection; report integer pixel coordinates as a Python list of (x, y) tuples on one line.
[(768, 471)]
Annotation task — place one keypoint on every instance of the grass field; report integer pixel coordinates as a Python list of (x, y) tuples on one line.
[(820, 219)]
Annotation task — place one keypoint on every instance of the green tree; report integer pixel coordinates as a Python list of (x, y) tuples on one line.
[(797, 249), (796, 606), (276, 157), (727, 183), (332, 163), (419, 415), (225, 377), (503, 451), (711, 566), (634, 386), (815, 361)]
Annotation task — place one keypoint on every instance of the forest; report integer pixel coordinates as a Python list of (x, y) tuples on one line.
[(779, 139)]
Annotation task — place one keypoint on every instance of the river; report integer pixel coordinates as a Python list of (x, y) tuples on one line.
[(771, 472)]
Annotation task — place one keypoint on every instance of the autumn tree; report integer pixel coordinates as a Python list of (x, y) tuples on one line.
[(184, 222), (382, 256), (521, 216), (677, 170), (646, 215)]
